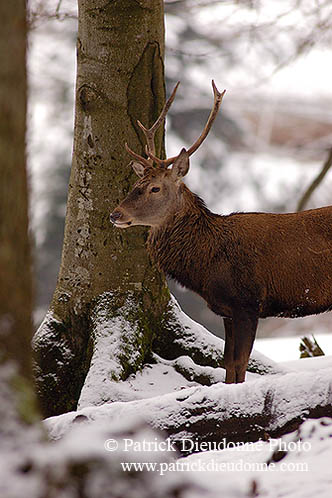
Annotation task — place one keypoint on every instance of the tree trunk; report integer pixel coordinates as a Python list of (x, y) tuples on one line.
[(120, 78), (16, 405)]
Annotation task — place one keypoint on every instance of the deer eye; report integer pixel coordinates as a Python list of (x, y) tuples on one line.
[(155, 189)]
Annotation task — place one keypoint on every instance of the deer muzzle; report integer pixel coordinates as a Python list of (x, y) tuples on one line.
[(118, 219)]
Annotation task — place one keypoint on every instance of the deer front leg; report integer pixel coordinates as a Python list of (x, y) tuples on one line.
[(240, 335)]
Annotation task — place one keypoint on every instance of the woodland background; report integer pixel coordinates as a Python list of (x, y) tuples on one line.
[(268, 144)]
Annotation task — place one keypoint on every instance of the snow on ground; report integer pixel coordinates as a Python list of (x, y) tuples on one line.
[(295, 466), (112, 336), (161, 396), (304, 472), (289, 395), (164, 377), (130, 459), (285, 351), (82, 465)]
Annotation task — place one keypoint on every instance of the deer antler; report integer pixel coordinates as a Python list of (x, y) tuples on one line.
[(150, 133), (143, 160), (164, 163)]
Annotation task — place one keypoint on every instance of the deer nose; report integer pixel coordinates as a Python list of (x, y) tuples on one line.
[(116, 215)]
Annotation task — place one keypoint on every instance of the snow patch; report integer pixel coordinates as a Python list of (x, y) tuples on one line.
[(113, 336)]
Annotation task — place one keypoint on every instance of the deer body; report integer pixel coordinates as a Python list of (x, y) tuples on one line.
[(245, 265), (268, 264)]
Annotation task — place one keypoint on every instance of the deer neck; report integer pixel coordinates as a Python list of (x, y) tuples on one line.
[(184, 241)]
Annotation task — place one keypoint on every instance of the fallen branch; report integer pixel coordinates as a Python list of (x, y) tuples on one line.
[(310, 347)]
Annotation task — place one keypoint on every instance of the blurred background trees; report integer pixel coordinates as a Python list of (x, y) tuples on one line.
[(17, 404), (266, 146), (15, 257)]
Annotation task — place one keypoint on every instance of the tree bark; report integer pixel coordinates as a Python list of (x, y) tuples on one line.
[(120, 78), (15, 263), (16, 393)]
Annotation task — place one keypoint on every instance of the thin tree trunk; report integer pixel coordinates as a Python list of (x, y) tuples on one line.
[(16, 397), (315, 183)]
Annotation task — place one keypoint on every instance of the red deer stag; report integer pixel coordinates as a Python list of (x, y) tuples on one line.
[(245, 265)]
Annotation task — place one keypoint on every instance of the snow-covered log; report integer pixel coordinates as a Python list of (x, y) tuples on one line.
[(269, 406)]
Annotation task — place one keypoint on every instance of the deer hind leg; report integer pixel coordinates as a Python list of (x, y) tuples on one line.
[(229, 352)]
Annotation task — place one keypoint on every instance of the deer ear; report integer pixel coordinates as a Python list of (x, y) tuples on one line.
[(181, 165), (138, 168)]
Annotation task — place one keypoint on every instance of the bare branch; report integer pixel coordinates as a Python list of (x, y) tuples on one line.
[(315, 183), (57, 10)]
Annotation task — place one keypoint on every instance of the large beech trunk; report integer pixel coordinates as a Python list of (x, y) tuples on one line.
[(120, 78)]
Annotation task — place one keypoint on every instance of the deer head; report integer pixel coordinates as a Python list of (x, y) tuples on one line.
[(157, 192)]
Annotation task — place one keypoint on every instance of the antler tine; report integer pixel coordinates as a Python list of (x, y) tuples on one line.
[(217, 101), (138, 158), (150, 132), (218, 96)]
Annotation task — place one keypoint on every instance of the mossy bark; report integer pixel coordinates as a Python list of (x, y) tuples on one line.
[(120, 78)]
